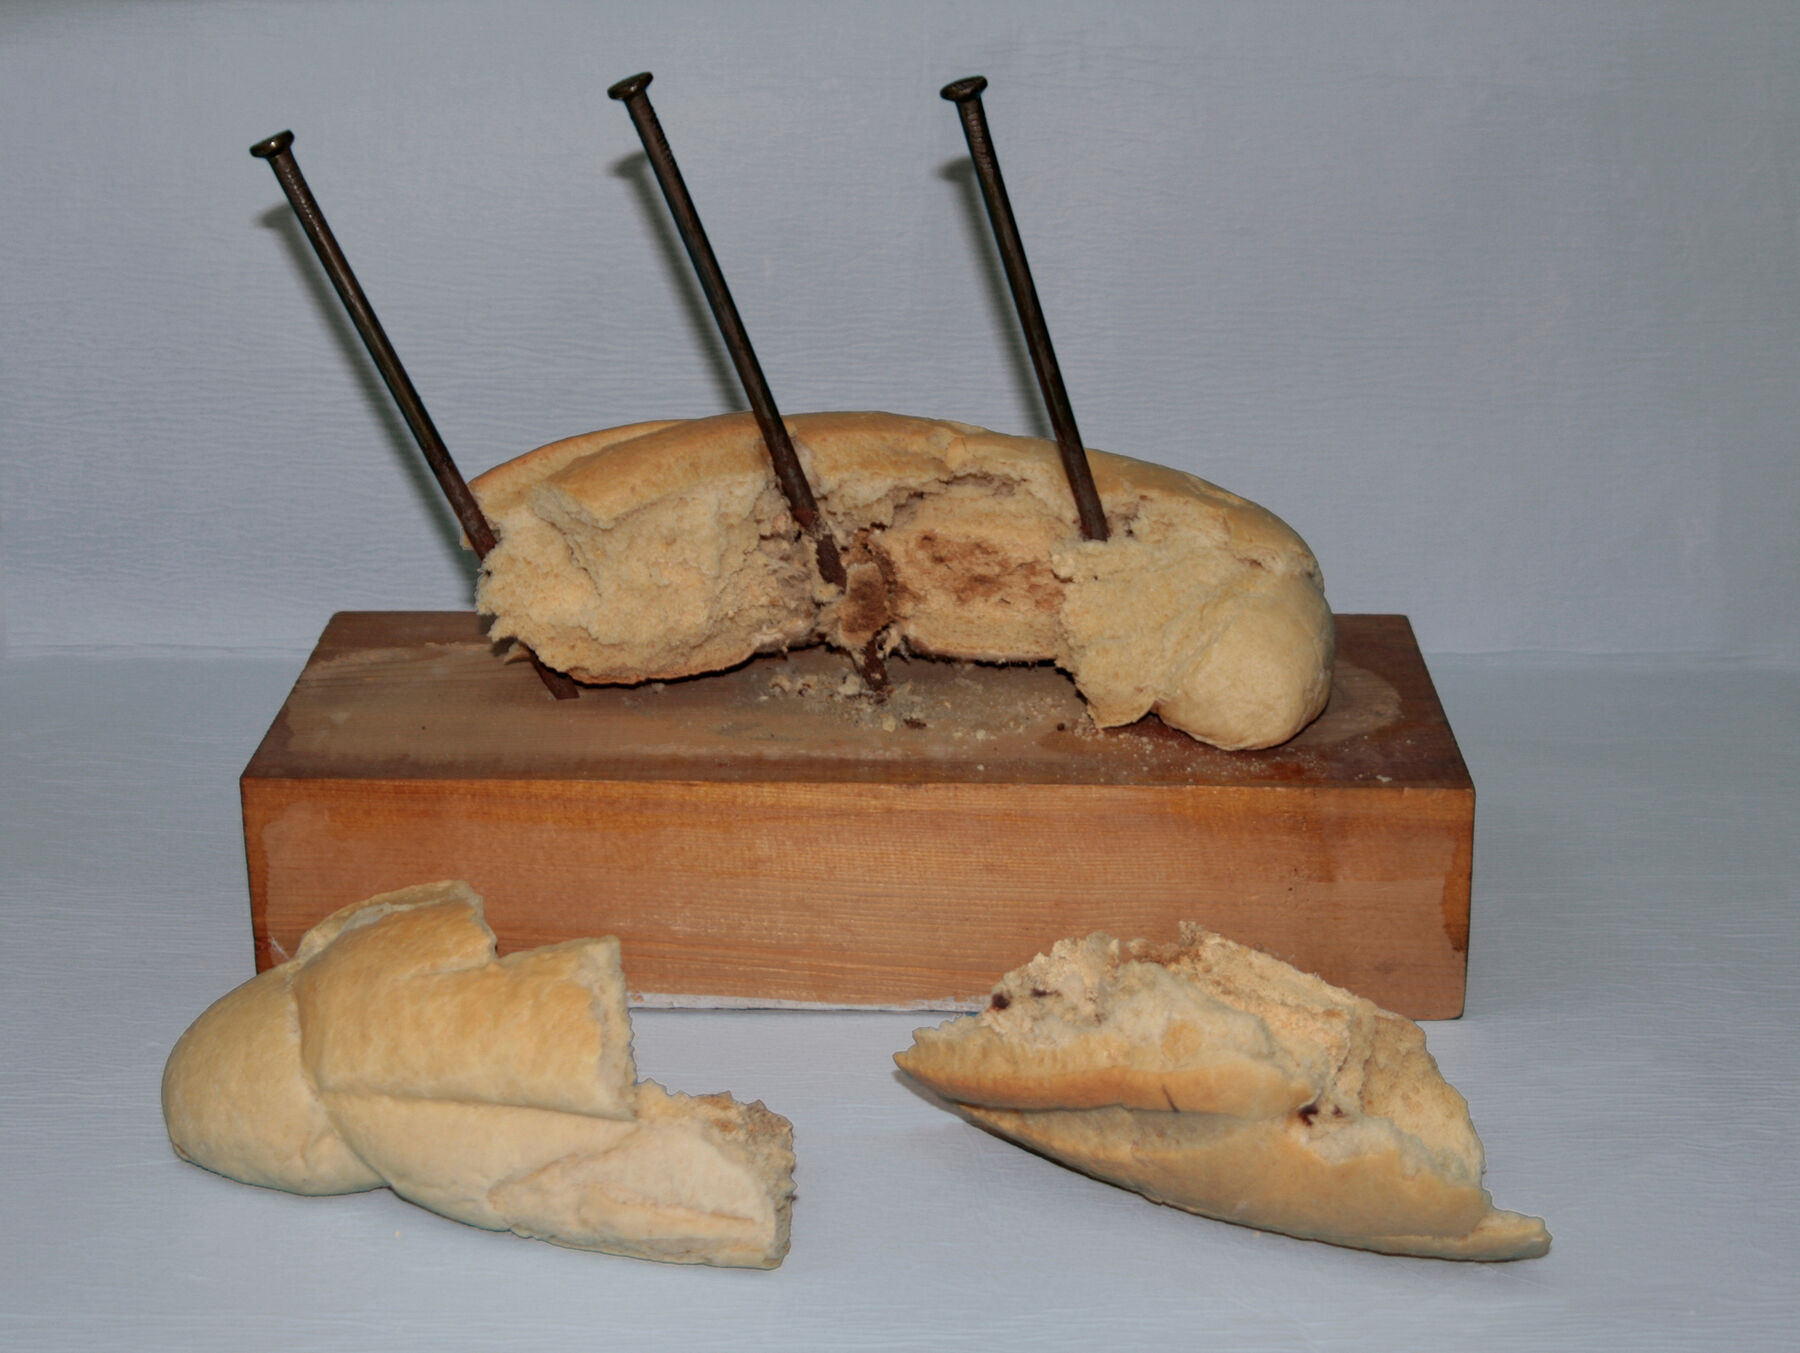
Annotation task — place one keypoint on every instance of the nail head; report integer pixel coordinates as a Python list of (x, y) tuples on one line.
[(631, 87), (265, 150), (961, 91)]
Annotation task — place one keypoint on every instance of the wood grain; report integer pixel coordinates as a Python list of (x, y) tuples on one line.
[(757, 837)]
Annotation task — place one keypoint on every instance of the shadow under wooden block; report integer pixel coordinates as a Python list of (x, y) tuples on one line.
[(762, 836)]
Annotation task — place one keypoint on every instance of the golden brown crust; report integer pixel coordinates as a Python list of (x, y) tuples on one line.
[(663, 550)]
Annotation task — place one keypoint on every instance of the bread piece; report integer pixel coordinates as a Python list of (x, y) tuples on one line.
[(395, 1048), (1217, 1079), (666, 549), (1372, 1187)]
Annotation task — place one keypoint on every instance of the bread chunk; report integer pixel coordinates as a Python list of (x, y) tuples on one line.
[(396, 1049), (666, 549), (1220, 1080)]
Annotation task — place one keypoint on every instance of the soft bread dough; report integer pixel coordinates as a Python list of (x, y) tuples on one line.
[(666, 549), (396, 1049), (1220, 1080)]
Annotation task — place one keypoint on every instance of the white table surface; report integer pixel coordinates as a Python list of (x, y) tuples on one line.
[(1629, 1052)]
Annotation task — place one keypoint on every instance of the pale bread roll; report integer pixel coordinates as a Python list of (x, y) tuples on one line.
[(395, 1048), (666, 549), (1217, 1079)]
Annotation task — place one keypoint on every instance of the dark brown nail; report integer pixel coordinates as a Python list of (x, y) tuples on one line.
[(788, 471), (631, 86), (277, 150), (970, 87), (966, 95), (275, 145)]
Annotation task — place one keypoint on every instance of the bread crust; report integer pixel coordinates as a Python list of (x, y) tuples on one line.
[(395, 1048), (1271, 1173), (1217, 1079), (665, 549)]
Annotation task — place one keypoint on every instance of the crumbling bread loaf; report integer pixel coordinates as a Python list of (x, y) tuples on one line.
[(395, 1048), (666, 549), (1220, 1080)]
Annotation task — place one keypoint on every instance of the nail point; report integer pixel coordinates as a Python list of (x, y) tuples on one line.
[(630, 88), (277, 143), (961, 91)]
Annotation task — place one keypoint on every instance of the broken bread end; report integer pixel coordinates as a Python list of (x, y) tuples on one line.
[(397, 1049), (1217, 1079)]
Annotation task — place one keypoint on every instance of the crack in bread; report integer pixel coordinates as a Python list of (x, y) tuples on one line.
[(664, 550)]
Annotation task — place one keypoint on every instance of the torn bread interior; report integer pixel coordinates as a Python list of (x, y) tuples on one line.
[(1220, 1080), (666, 549)]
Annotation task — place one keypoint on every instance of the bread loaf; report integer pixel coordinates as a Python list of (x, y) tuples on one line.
[(666, 549), (1220, 1080), (395, 1048)]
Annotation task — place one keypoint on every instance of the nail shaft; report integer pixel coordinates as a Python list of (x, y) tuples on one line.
[(788, 470), (277, 150), (966, 95)]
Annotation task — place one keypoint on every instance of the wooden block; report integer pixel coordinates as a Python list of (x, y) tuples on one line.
[(756, 837)]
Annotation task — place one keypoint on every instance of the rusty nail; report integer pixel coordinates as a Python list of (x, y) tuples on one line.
[(278, 151), (788, 470), (966, 95)]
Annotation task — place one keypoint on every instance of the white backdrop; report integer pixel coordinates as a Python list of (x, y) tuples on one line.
[(1499, 305)]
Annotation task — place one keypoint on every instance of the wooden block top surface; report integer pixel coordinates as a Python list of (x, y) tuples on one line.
[(423, 695)]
